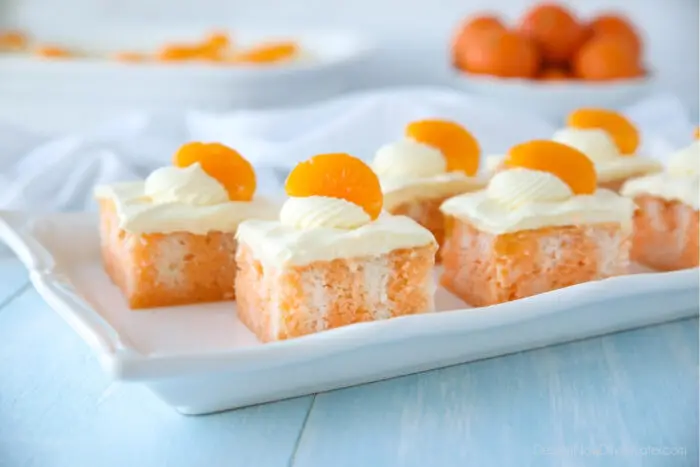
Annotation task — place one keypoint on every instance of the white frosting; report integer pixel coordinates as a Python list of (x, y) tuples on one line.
[(181, 200), (516, 187), (594, 143), (522, 199), (600, 148), (409, 170), (277, 244), (492, 162), (681, 182), (410, 159), (686, 161), (321, 211), (189, 185)]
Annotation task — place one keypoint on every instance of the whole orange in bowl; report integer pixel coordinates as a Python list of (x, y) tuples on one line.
[(617, 25), (505, 54), (607, 57), (555, 30), (469, 31), (554, 74), (551, 62)]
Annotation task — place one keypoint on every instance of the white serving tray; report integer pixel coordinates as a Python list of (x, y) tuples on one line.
[(201, 359)]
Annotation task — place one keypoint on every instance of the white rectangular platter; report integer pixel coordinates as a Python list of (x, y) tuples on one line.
[(201, 359)]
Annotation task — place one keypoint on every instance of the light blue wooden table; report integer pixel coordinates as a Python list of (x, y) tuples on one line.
[(629, 399)]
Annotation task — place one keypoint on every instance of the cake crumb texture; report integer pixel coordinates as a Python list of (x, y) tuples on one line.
[(293, 301), (665, 234), (485, 269), (177, 268)]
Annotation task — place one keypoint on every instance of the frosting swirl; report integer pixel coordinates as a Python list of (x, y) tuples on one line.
[(596, 144), (408, 159), (322, 211), (517, 186), (190, 185), (685, 161), (680, 181)]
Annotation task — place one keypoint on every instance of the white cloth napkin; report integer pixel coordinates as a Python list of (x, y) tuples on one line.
[(59, 174)]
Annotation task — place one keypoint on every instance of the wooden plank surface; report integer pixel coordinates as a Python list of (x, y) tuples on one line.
[(13, 276), (629, 399), (57, 409)]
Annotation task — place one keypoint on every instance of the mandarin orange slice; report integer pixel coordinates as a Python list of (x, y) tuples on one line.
[(337, 176), (460, 149), (130, 57), (13, 40), (219, 40), (568, 164), (177, 53), (224, 164), (622, 131), (51, 51), (214, 47), (268, 53)]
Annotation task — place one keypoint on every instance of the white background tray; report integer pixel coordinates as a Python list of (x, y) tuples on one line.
[(201, 359)]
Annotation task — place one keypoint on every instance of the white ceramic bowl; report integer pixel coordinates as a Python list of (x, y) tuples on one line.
[(76, 92), (552, 99)]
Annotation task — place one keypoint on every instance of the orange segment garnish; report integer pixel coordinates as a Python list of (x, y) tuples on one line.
[(214, 47), (224, 164), (130, 57), (268, 53), (458, 146), (622, 131), (13, 40), (51, 51), (177, 53), (218, 40), (337, 176), (568, 164)]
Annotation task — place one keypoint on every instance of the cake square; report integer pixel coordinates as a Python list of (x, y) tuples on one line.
[(484, 268), (437, 160), (170, 239), (666, 221), (177, 268), (540, 225), (292, 283)]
